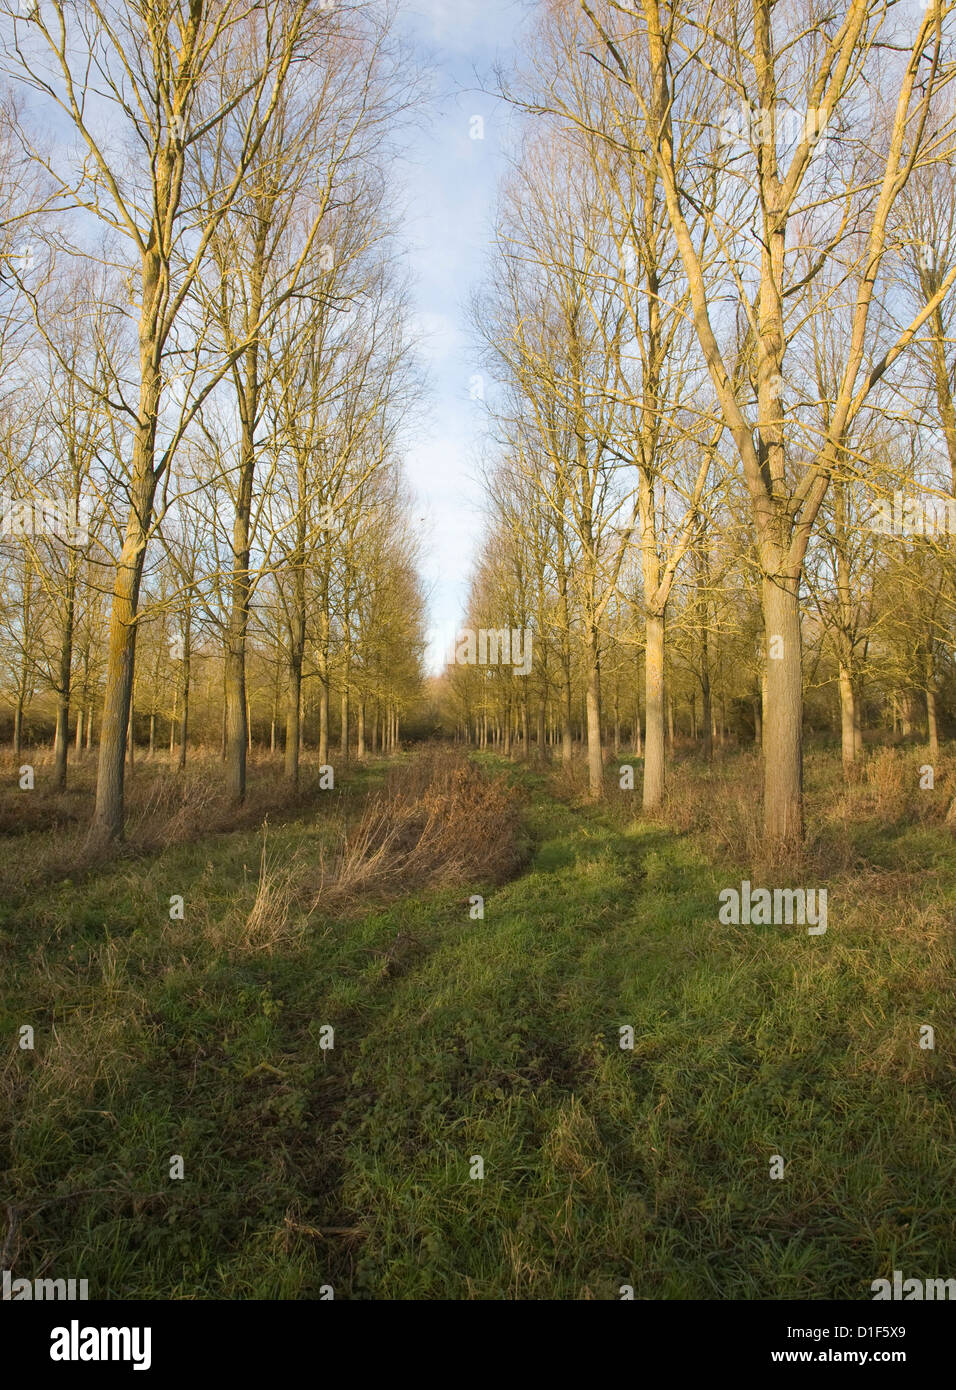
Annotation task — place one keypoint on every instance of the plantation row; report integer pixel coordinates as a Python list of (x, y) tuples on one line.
[(207, 374), (719, 324)]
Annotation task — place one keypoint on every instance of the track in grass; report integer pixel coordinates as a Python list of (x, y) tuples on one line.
[(497, 1038)]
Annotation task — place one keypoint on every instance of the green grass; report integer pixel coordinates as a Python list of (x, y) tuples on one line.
[(498, 1037)]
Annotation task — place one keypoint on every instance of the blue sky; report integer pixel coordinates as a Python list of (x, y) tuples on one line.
[(451, 182)]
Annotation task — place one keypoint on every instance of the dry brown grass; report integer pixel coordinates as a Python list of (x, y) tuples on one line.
[(439, 821), (274, 919), (721, 805), (883, 791), (163, 807)]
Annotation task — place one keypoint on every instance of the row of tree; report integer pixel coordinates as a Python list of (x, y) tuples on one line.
[(897, 643), (207, 375), (720, 320)]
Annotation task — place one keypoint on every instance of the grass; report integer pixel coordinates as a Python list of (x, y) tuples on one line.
[(498, 1037)]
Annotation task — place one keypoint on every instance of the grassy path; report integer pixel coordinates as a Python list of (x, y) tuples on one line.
[(498, 1038)]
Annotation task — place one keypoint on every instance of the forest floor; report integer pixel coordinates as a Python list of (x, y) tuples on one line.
[(458, 1037)]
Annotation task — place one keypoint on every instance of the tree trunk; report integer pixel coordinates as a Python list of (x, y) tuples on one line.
[(184, 715), (783, 715), (237, 733), (121, 652), (849, 716), (593, 709), (293, 717), (293, 722), (62, 736), (344, 741), (567, 735), (653, 795), (567, 721), (906, 721), (323, 721), (932, 725)]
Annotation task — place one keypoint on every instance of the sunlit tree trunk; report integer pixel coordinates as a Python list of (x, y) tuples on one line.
[(593, 708), (783, 715), (653, 794)]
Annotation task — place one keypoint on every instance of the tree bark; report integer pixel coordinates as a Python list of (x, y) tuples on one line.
[(783, 723), (108, 815), (593, 719), (293, 719), (932, 724), (121, 657), (706, 711), (17, 726), (62, 736), (849, 717), (653, 793), (344, 741), (184, 712)]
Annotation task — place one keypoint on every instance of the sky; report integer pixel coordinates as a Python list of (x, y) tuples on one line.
[(451, 181)]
